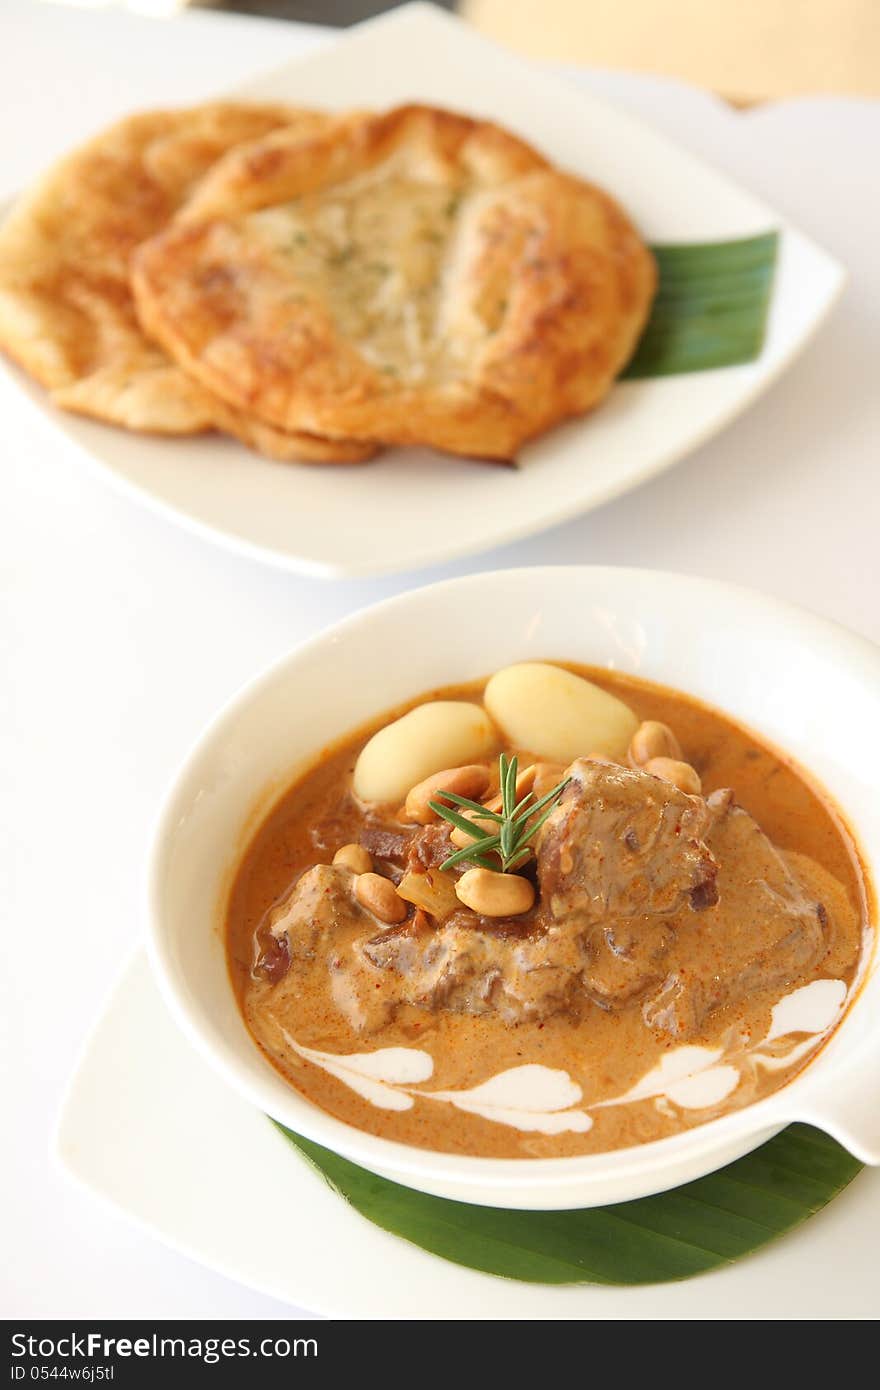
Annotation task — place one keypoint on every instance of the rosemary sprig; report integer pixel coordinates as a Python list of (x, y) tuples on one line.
[(513, 827)]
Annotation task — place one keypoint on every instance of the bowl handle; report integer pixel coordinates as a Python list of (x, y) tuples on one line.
[(849, 1115)]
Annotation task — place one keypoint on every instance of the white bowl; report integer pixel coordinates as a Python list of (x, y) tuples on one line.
[(809, 686)]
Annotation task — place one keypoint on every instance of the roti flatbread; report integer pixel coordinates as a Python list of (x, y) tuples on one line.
[(417, 277), (67, 315)]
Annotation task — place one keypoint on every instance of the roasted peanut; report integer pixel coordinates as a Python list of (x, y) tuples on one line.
[(379, 896), (547, 776), (470, 781), (539, 778), (525, 781), (354, 857), (652, 740), (680, 774), (495, 894), (459, 838)]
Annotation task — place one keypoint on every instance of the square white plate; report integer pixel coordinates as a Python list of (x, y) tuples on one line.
[(150, 1128), (413, 508)]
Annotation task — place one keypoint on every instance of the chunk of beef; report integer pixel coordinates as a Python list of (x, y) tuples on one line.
[(650, 899), (618, 857), (428, 847), (322, 923), (320, 904), (396, 848), (622, 853), (765, 932), (474, 966), (273, 957), (384, 842), (389, 846), (624, 844)]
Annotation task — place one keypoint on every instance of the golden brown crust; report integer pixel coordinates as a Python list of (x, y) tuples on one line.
[(284, 446), (415, 277), (66, 311), (65, 305)]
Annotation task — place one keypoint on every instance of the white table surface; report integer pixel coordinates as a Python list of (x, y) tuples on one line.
[(121, 634)]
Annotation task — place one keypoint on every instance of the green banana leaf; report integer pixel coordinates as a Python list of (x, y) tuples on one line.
[(711, 306), (674, 1235)]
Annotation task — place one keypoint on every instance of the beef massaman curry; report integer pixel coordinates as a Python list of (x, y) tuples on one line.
[(558, 912)]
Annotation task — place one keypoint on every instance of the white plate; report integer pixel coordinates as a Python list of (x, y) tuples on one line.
[(149, 1127), (412, 508)]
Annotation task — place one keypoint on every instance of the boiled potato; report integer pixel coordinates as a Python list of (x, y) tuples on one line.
[(431, 737), (556, 714)]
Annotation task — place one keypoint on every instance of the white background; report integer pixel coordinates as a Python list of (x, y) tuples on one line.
[(120, 635)]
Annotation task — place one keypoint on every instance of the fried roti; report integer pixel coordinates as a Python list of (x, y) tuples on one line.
[(416, 277), (66, 311)]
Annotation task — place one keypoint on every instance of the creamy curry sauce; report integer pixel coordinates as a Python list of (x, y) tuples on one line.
[(605, 1070)]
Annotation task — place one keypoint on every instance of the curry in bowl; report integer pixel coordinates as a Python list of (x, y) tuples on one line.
[(558, 912)]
